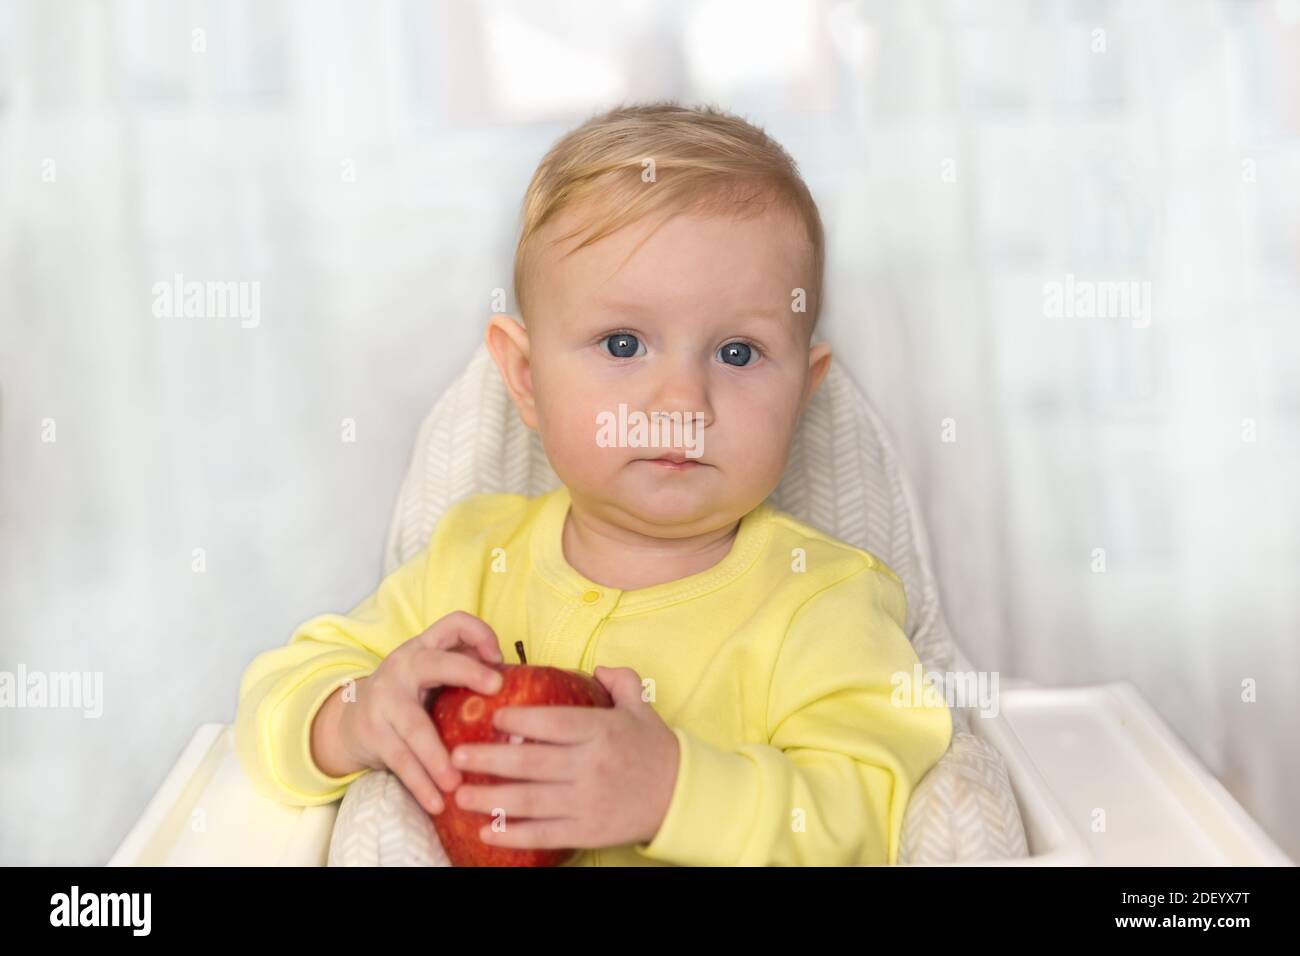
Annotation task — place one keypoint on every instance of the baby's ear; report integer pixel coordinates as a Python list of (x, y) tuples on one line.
[(507, 341), (819, 363)]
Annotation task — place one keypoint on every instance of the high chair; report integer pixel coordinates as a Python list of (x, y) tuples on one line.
[(1046, 776)]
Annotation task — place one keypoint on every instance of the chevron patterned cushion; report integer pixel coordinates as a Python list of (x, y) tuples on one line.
[(843, 477), (381, 824)]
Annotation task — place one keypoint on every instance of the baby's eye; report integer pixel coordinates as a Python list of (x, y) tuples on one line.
[(622, 345), (736, 353)]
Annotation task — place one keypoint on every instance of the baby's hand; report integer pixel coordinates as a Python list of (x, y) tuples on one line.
[(388, 726), (589, 777)]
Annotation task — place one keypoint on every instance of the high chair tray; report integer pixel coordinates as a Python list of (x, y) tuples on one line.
[(1068, 751), (1129, 787), (206, 813)]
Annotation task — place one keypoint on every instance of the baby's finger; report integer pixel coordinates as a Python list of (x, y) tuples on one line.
[(415, 728), (435, 668), (460, 627), (399, 758)]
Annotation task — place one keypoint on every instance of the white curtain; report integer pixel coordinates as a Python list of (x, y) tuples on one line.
[(1109, 497)]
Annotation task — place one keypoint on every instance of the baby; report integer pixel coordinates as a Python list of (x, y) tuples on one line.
[(669, 267)]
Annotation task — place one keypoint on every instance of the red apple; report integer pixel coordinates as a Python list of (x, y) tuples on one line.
[(464, 716)]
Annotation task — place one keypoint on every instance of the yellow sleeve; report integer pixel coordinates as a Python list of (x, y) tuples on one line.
[(831, 785), (282, 689)]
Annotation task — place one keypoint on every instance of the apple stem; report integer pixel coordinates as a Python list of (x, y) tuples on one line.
[(519, 649)]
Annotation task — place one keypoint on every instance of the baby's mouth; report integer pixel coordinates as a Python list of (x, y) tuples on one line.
[(674, 461)]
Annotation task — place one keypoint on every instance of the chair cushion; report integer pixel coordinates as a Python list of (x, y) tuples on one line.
[(963, 810), (381, 824)]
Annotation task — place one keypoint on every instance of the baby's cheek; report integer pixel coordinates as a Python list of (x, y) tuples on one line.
[(572, 447), (584, 457), (776, 423), (760, 444)]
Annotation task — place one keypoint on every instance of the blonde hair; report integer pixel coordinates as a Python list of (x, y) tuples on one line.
[(701, 159)]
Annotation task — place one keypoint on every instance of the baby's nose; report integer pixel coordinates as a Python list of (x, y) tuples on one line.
[(682, 390)]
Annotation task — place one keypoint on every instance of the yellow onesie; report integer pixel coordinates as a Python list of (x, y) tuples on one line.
[(778, 669)]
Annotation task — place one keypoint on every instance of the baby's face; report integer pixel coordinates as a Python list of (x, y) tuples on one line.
[(700, 325)]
